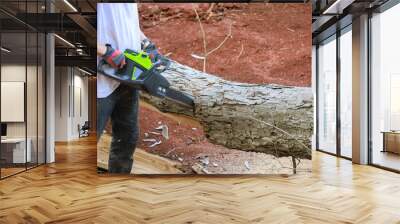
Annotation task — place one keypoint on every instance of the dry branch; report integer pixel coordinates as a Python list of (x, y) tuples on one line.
[(229, 35), (206, 53), (204, 38), (209, 11), (240, 53)]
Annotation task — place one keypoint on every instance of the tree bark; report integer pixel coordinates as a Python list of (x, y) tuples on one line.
[(273, 119)]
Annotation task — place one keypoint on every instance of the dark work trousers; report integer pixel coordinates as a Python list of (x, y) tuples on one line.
[(122, 107)]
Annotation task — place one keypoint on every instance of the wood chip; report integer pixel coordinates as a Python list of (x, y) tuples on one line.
[(155, 143), (154, 133), (197, 56), (149, 140), (247, 165), (291, 30), (205, 171), (205, 161), (164, 131), (166, 154), (199, 169)]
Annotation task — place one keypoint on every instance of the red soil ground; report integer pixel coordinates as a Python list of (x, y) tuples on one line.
[(270, 43), (276, 40)]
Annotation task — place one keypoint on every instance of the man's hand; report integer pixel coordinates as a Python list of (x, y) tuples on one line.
[(115, 58), (151, 49), (155, 56)]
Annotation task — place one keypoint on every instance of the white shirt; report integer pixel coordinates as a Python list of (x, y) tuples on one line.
[(118, 25)]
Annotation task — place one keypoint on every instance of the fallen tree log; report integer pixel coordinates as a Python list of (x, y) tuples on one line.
[(273, 119)]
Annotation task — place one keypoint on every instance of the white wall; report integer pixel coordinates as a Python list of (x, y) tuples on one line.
[(71, 102), (61, 103), (80, 111)]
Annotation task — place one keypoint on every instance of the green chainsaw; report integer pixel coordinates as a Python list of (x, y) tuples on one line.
[(141, 73)]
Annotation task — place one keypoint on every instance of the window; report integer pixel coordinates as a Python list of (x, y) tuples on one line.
[(385, 89), (327, 95), (331, 78), (346, 92)]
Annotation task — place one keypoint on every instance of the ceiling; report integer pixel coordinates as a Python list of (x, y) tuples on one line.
[(74, 22), (16, 42), (331, 15)]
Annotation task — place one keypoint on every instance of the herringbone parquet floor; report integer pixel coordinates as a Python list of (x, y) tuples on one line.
[(70, 191)]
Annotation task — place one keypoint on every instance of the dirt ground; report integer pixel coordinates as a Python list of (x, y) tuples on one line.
[(269, 43)]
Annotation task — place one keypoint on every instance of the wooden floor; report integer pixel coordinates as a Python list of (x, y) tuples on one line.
[(11, 170), (70, 191)]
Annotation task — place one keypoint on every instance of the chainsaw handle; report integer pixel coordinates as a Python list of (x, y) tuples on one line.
[(120, 75), (149, 81)]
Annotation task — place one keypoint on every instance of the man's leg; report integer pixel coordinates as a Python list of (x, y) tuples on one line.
[(105, 106), (125, 131)]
